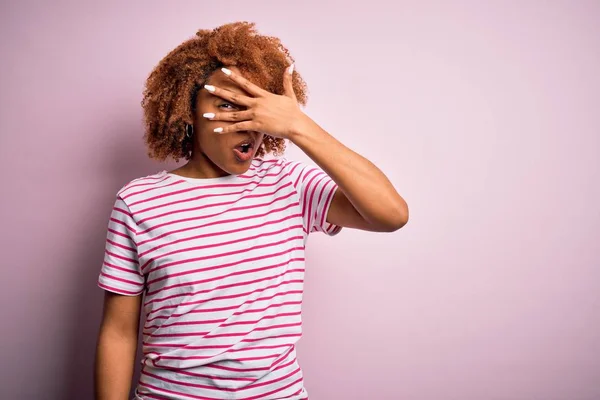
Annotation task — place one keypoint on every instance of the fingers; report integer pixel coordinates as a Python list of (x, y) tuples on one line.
[(288, 82), (240, 126), (245, 115), (232, 97), (244, 83)]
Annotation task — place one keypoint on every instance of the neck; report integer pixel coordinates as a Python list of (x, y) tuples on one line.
[(200, 167)]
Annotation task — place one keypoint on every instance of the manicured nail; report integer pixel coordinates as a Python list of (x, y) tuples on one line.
[(210, 88), (291, 69), (226, 71), (208, 115), (218, 130)]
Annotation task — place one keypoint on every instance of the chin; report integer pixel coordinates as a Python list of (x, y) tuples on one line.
[(238, 168)]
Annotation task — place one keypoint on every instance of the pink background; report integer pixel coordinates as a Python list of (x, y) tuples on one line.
[(485, 115)]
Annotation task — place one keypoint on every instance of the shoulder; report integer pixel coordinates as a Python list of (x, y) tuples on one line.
[(262, 167), (280, 163), (142, 184)]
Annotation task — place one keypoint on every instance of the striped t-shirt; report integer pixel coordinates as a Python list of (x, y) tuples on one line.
[(221, 265)]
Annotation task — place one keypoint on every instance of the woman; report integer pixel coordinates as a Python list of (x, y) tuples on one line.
[(217, 245)]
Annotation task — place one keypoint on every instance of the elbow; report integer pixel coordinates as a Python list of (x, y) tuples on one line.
[(396, 224), (396, 220)]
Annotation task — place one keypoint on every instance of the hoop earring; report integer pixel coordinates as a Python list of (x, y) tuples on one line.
[(189, 130)]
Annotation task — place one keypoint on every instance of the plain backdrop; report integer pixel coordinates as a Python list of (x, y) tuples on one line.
[(484, 114)]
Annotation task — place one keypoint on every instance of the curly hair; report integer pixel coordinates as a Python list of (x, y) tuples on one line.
[(171, 89)]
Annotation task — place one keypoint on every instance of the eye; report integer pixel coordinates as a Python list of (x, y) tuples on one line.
[(228, 106)]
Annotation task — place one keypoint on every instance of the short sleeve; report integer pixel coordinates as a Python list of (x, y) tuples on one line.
[(316, 190), (120, 272)]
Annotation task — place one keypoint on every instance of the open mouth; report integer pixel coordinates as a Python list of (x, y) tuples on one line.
[(244, 150)]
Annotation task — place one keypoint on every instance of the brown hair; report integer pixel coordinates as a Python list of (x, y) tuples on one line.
[(171, 89)]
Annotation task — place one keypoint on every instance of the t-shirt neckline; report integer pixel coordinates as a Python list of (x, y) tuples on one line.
[(204, 181)]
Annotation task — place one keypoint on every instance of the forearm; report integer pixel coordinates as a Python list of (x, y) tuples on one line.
[(115, 360), (366, 186)]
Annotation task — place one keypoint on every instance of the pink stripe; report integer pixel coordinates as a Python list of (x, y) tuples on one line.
[(331, 229), (121, 291), (220, 244), (216, 355), (210, 204), (309, 216), (256, 329), (283, 356), (248, 260), (155, 187), (272, 381), (260, 339), (230, 350), (264, 318), (285, 303), (247, 228), (328, 203), (319, 202), (216, 278), (121, 246), (212, 377), (116, 221), (172, 335), (134, 183), (170, 391), (131, 260), (122, 211), (291, 173), (190, 199), (119, 233), (229, 253), (129, 271), (257, 358), (254, 216), (238, 323), (120, 279), (195, 385), (304, 192), (217, 309), (188, 347), (186, 323), (230, 296), (205, 196), (232, 369), (194, 188), (262, 396), (272, 174), (174, 193), (242, 208), (270, 347)]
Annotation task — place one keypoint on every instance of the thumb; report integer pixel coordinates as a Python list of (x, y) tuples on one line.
[(288, 86)]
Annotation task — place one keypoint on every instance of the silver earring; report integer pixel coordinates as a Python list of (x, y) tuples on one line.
[(189, 130)]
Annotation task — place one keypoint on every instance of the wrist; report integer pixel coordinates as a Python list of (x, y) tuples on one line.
[(303, 127)]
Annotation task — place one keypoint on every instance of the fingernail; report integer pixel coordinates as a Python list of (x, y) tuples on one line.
[(210, 88), (291, 69), (226, 71), (208, 115), (218, 130)]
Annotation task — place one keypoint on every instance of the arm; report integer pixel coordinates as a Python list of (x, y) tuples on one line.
[(366, 200), (117, 346)]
